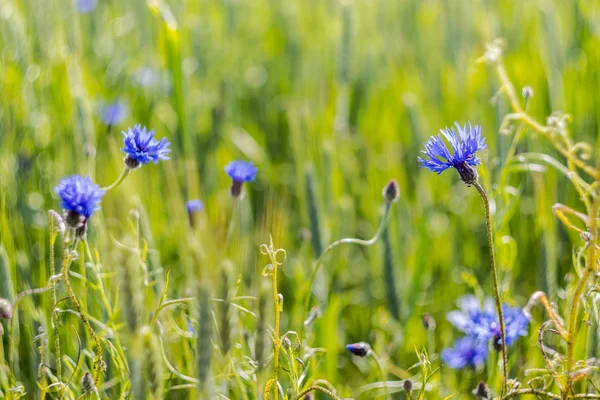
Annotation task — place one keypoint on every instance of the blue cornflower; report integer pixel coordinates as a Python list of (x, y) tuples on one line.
[(142, 147), (193, 208), (483, 324), (467, 351), (85, 6), (465, 144), (240, 172), (114, 113), (80, 197)]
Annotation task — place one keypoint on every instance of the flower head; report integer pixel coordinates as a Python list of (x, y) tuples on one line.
[(240, 172), (467, 351), (80, 197), (483, 323), (141, 147), (113, 113), (464, 144), (85, 6), (391, 191), (360, 349), (194, 207)]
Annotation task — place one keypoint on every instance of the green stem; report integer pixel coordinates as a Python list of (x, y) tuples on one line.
[(359, 242), (590, 267), (382, 374), (84, 319), (119, 180), (490, 235)]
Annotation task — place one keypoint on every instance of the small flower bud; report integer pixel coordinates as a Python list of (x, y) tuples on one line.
[(6, 309), (360, 349), (482, 391), (287, 343), (391, 191), (428, 322), (408, 385), (527, 92), (497, 343), (194, 207), (87, 383)]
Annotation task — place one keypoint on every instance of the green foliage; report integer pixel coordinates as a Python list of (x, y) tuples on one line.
[(330, 99)]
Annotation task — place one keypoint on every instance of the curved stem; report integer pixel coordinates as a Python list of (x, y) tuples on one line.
[(119, 180), (383, 378), (359, 242), (591, 261), (84, 319), (317, 388), (490, 235)]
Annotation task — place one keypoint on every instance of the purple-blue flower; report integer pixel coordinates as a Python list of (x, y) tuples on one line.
[(240, 172), (79, 196), (141, 147), (85, 6), (467, 351), (114, 113), (482, 322), (194, 205), (464, 145)]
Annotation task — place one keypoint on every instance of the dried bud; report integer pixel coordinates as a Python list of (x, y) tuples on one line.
[(360, 349), (6, 309), (87, 383), (482, 391), (408, 385), (391, 191), (428, 322), (287, 343)]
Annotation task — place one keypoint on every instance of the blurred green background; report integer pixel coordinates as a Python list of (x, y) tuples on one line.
[(330, 99)]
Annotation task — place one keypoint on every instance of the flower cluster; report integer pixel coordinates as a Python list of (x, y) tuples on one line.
[(481, 327), (464, 144)]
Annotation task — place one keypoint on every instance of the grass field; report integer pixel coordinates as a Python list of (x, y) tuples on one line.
[(330, 100)]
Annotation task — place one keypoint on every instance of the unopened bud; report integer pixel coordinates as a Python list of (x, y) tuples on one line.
[(482, 391), (6, 309), (391, 191), (428, 322), (408, 385), (360, 349), (87, 383)]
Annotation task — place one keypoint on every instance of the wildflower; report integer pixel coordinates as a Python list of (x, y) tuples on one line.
[(360, 349), (141, 147), (464, 145), (467, 351), (391, 191), (114, 113), (240, 172), (483, 324), (194, 207), (80, 197), (6, 309), (85, 6)]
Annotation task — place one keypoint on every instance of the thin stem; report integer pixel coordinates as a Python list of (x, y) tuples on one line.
[(359, 242), (572, 324), (490, 235), (277, 317), (84, 319), (381, 373), (523, 116), (119, 180), (317, 388)]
